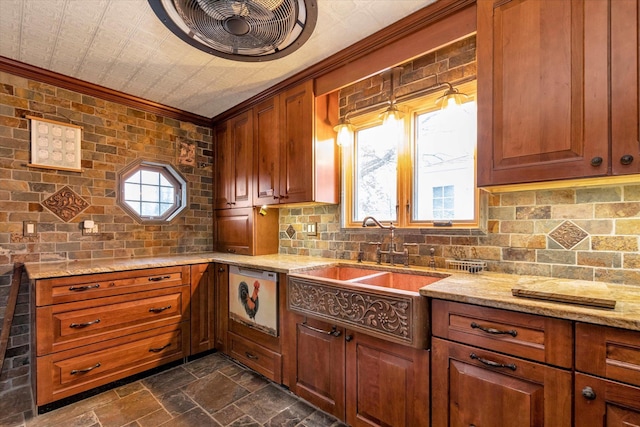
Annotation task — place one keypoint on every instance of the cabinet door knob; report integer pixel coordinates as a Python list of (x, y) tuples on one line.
[(627, 159), (596, 161), (348, 338), (588, 393), (221, 270)]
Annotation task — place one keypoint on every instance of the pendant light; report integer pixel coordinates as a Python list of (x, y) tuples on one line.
[(392, 116), (452, 97), (344, 129)]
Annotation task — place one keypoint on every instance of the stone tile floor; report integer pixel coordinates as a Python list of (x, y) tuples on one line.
[(210, 391)]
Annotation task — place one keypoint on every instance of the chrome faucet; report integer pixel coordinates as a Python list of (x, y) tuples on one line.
[(370, 221)]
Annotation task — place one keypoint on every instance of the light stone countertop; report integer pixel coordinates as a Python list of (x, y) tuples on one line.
[(484, 288)]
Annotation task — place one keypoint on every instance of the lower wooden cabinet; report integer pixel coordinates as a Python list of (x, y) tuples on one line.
[(387, 384), (319, 370), (91, 330), (360, 379), (202, 308), (477, 387), (604, 403)]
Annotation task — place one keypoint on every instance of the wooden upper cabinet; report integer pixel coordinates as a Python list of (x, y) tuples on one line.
[(295, 155), (543, 90), (625, 91), (296, 158), (234, 162), (266, 152)]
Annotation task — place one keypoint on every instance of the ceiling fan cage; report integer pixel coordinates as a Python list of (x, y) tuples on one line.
[(243, 30)]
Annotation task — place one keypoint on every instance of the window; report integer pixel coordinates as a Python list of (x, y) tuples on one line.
[(152, 192), (420, 176)]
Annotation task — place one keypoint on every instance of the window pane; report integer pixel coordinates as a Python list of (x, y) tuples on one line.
[(167, 194), (150, 209), (135, 206), (150, 177), (444, 173), (135, 178), (150, 193), (376, 175), (131, 191)]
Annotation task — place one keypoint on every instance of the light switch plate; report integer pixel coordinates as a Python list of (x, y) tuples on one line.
[(30, 229), (312, 229)]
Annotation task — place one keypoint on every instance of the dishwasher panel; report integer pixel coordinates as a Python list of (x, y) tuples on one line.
[(253, 299)]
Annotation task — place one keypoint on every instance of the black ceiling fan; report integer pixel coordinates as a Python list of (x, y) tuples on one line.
[(240, 30)]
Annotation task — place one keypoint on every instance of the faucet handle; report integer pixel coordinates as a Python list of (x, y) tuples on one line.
[(374, 243)]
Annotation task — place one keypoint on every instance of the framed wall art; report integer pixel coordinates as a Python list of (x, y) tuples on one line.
[(55, 145)]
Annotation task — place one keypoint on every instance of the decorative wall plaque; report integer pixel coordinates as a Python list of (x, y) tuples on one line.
[(55, 145), (187, 152), (66, 204)]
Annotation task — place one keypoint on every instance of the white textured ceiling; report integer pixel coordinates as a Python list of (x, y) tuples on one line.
[(121, 44)]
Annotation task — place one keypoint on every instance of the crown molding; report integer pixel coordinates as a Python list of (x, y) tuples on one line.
[(21, 69)]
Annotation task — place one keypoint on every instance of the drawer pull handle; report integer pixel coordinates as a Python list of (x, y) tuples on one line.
[(85, 370), (333, 330), (160, 309), (588, 393), (157, 279), (491, 363), (159, 349), (84, 325), (84, 288), (494, 331), (251, 356)]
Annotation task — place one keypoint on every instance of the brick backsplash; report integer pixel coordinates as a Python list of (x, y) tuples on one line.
[(113, 135), (590, 233)]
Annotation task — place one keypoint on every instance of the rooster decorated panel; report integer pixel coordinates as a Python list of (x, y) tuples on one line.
[(253, 299)]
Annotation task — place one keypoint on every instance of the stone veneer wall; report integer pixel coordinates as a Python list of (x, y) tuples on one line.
[(113, 135), (583, 233)]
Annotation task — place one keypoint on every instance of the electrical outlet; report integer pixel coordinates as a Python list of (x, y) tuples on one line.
[(312, 229), (91, 231)]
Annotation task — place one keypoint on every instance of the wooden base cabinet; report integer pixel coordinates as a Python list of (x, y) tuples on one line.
[(476, 387), (360, 379), (387, 384), (202, 308), (607, 386), (91, 330), (319, 375)]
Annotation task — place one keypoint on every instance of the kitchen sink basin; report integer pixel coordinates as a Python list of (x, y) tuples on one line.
[(381, 302)]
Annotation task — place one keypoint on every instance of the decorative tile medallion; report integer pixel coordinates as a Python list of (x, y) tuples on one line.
[(568, 234), (291, 231), (66, 204)]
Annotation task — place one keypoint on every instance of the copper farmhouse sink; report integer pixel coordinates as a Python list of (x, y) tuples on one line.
[(381, 302)]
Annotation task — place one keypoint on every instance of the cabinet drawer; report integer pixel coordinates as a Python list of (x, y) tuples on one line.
[(67, 373), (255, 356), (65, 326), (608, 352), (76, 288), (538, 338)]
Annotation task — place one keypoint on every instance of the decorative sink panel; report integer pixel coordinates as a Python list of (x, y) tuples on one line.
[(385, 304)]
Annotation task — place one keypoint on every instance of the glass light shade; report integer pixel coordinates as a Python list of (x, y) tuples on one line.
[(391, 117), (345, 133), (451, 98)]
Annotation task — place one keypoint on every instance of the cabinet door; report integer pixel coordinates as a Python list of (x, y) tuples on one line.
[(202, 308), (387, 383), (542, 90), (221, 284), (605, 403), (266, 153), (478, 387), (234, 231), (625, 91), (241, 136), (223, 170), (320, 365), (296, 136)]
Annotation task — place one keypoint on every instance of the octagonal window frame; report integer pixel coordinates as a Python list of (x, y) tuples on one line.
[(167, 175)]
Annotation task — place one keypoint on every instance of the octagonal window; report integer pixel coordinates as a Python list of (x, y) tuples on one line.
[(152, 192)]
